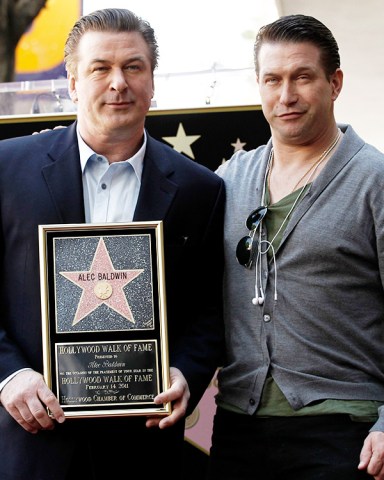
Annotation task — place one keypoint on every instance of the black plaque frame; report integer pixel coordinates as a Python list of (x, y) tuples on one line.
[(104, 325)]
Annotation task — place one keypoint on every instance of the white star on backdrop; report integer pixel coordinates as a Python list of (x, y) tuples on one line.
[(182, 142), (238, 145)]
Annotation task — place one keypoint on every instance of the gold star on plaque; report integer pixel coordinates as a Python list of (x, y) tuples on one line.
[(182, 142), (102, 284)]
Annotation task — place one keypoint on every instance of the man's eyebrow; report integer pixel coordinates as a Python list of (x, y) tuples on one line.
[(98, 60), (301, 68), (138, 57), (134, 58)]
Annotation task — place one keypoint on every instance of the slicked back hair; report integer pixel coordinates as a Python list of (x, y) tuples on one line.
[(108, 20), (300, 28)]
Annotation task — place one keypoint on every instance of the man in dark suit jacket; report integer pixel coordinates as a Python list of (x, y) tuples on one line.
[(50, 179)]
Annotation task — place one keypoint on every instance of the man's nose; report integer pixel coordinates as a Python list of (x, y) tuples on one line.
[(118, 80), (288, 93)]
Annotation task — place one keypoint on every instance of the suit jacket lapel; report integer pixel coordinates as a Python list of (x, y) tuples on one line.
[(157, 190), (64, 178)]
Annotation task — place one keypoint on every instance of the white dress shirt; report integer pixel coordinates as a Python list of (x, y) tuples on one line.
[(110, 190)]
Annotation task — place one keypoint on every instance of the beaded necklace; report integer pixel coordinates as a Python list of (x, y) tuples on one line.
[(310, 173)]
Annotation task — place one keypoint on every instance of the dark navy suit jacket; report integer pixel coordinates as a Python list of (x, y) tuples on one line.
[(41, 183)]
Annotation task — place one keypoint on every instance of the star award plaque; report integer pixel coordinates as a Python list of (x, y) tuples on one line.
[(104, 317)]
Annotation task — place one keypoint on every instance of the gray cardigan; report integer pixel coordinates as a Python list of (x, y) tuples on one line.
[(323, 337)]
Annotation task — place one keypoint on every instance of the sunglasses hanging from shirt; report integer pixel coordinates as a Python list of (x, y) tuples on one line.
[(245, 251)]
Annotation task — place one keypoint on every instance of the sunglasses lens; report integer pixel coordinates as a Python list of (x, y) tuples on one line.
[(244, 250), (255, 218)]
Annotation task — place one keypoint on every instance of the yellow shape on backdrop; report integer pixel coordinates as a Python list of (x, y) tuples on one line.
[(41, 47)]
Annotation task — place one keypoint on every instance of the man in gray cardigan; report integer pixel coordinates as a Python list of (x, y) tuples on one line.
[(301, 394)]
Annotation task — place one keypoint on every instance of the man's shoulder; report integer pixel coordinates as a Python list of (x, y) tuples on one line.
[(242, 163), (364, 154), (38, 138)]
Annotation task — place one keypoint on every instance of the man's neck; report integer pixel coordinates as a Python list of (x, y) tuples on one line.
[(114, 146), (294, 166)]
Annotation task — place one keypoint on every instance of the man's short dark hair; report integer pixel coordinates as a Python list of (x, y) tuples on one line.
[(298, 29)]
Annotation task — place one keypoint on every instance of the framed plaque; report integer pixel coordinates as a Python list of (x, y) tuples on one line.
[(104, 317)]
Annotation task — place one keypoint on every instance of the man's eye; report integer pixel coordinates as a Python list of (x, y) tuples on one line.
[(132, 67)]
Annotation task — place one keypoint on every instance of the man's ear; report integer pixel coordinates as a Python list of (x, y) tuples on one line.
[(336, 83), (72, 88)]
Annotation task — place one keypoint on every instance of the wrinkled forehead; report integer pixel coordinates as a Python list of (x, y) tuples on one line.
[(93, 40), (277, 55)]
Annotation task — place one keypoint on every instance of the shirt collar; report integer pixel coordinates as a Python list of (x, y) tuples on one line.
[(136, 161)]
